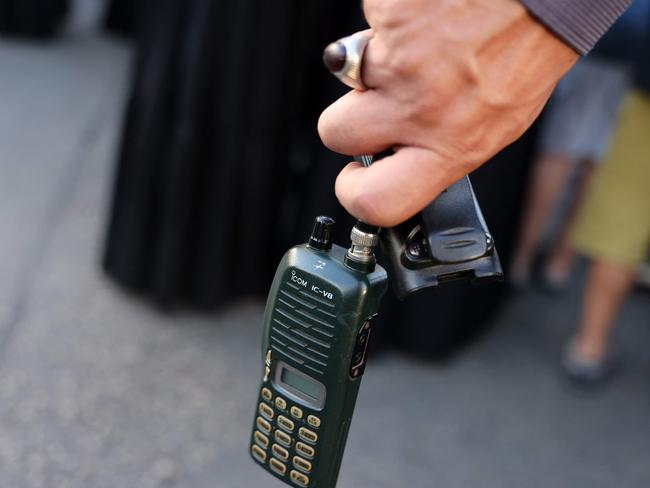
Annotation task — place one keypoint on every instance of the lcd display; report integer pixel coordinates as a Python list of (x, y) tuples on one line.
[(301, 383)]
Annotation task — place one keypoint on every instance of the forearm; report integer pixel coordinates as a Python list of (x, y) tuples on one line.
[(579, 23)]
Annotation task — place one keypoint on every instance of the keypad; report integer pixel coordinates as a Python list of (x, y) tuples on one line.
[(263, 425), (276, 444), (267, 411), (302, 464), (305, 450), (258, 453), (285, 423), (308, 435), (313, 421), (280, 452), (299, 478), (277, 466), (283, 438), (296, 413), (261, 440)]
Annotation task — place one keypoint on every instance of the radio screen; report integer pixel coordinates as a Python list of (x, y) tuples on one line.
[(301, 383)]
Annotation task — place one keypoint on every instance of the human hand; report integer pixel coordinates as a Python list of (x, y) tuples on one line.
[(451, 82)]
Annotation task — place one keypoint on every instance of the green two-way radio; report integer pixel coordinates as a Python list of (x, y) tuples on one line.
[(317, 325), (318, 320), (319, 314)]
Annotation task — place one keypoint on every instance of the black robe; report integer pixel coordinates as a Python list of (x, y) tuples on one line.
[(221, 169), (32, 18)]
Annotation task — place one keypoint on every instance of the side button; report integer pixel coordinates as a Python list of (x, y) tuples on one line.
[(359, 354)]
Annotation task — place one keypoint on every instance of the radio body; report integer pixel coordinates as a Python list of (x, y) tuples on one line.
[(317, 323)]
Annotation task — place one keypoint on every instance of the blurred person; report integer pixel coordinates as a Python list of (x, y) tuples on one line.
[(613, 229), (576, 130), (644, 275)]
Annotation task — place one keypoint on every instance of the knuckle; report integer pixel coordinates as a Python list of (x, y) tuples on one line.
[(388, 14), (400, 62)]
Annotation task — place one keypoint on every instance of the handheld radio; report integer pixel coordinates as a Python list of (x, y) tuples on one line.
[(319, 312), (318, 320), (317, 324)]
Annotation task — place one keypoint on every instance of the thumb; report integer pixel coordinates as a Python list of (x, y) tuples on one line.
[(395, 188)]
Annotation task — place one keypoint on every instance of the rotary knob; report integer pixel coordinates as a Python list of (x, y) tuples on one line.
[(321, 234)]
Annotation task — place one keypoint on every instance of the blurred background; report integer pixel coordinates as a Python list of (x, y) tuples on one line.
[(145, 148)]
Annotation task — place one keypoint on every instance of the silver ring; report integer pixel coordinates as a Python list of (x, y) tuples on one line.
[(344, 59)]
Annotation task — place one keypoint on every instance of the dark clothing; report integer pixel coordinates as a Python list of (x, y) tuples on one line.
[(221, 168), (32, 18), (621, 43), (643, 77), (123, 16), (643, 65), (580, 23)]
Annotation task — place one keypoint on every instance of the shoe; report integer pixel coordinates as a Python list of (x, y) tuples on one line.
[(553, 282), (643, 279), (586, 372)]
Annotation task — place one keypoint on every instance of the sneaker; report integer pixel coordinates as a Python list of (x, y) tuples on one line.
[(586, 372)]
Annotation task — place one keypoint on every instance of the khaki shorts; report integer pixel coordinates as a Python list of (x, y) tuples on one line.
[(614, 221)]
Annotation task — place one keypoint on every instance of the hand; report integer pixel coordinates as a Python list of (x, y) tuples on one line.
[(451, 83)]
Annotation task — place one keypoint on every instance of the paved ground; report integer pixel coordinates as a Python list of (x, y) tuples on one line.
[(97, 390)]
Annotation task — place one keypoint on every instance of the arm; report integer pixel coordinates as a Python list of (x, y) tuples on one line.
[(452, 83)]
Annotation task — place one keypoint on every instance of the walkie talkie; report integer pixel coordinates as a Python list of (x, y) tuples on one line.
[(318, 316), (318, 320), (317, 324)]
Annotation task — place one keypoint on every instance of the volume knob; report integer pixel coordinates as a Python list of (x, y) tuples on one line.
[(321, 234)]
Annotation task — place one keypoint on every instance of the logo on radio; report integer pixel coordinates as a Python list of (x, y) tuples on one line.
[(303, 282), (297, 279)]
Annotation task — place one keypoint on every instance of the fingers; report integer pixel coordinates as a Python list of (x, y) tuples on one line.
[(375, 71), (363, 122), (359, 123), (394, 188)]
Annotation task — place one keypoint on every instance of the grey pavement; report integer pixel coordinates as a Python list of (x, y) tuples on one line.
[(98, 389)]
